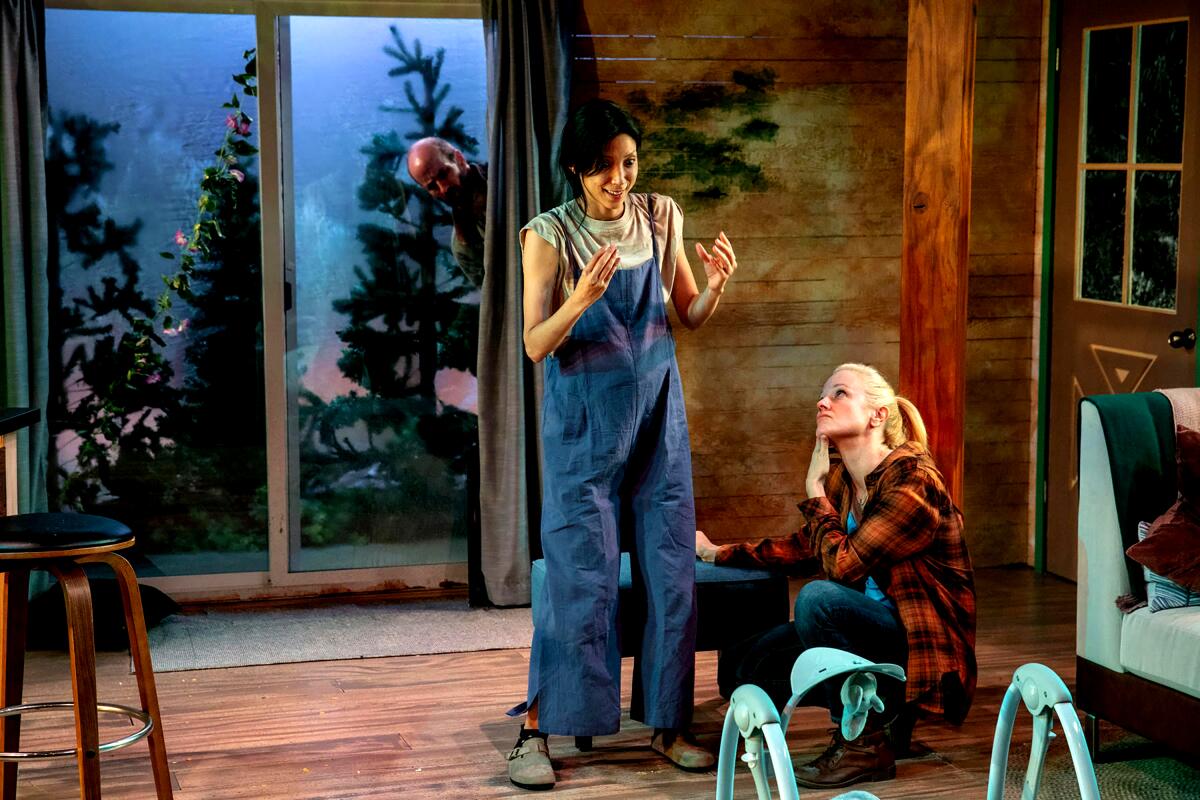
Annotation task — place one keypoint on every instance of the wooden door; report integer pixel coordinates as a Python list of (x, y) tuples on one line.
[(1126, 216)]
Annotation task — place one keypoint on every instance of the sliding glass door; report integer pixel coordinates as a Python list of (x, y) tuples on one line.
[(381, 359), (266, 352)]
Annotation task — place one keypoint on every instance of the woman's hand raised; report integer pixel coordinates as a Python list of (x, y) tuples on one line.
[(818, 468), (595, 276), (718, 266)]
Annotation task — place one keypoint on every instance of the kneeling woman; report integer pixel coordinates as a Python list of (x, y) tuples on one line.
[(899, 589)]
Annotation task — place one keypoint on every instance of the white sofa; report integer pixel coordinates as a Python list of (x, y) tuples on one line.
[(1140, 670)]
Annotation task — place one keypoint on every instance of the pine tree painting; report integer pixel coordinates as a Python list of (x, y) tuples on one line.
[(686, 153), (107, 396)]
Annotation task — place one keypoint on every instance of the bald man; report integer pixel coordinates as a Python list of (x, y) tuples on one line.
[(441, 169)]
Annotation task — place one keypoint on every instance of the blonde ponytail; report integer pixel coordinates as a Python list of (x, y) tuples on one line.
[(912, 427)]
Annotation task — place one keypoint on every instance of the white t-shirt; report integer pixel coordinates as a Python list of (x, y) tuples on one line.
[(577, 237)]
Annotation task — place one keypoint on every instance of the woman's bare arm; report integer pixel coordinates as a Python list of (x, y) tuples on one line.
[(545, 332), (693, 306)]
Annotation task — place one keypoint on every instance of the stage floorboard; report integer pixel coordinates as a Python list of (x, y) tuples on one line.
[(433, 727)]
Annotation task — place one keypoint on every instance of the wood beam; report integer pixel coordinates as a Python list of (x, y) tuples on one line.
[(938, 121)]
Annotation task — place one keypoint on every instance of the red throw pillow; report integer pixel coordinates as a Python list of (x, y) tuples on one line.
[(1187, 460), (1172, 547)]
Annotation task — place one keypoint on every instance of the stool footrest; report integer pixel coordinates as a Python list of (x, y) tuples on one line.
[(104, 708)]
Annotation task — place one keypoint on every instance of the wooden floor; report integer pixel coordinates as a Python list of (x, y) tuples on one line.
[(433, 726)]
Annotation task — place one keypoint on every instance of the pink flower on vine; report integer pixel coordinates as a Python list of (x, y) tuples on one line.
[(153, 378), (183, 325), (238, 175), (243, 126), (180, 239), (231, 122)]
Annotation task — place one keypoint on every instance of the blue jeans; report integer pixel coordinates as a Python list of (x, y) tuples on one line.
[(827, 614)]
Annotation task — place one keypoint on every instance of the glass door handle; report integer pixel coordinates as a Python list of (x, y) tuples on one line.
[(1185, 338)]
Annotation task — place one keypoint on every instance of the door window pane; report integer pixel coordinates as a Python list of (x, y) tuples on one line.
[(1162, 70), (381, 356), (1155, 254), (1109, 54), (157, 415), (1103, 235)]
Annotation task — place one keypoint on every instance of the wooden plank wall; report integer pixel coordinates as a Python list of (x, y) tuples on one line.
[(1002, 289), (819, 245)]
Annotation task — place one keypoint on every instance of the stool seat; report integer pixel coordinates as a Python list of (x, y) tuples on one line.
[(51, 533)]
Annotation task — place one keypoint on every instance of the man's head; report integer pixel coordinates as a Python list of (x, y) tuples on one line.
[(438, 167)]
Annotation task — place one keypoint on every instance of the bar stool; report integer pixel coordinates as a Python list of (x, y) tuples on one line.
[(62, 544)]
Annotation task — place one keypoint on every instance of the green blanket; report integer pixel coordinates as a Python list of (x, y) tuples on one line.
[(1140, 431)]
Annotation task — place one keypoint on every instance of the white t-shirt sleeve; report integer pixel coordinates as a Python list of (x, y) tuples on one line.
[(544, 227)]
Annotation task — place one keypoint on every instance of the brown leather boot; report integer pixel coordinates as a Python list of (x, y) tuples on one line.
[(867, 758)]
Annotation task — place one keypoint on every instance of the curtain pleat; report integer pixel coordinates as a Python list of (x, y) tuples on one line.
[(23, 236), (528, 59)]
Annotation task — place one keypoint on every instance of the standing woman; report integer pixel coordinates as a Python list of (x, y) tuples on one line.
[(616, 458)]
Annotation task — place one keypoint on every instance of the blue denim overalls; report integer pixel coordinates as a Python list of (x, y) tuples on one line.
[(616, 471)]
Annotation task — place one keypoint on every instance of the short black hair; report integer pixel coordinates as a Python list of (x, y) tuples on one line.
[(588, 131)]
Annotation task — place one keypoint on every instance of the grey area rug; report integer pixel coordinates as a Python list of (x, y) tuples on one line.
[(228, 638), (1135, 777)]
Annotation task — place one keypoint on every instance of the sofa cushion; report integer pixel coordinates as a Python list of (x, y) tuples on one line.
[(1162, 593), (1163, 647)]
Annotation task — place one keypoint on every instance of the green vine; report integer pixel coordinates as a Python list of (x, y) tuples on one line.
[(195, 245)]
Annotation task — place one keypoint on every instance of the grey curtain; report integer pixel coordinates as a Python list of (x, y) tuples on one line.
[(528, 59), (23, 235)]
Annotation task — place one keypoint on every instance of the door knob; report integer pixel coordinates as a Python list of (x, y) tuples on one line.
[(1185, 338)]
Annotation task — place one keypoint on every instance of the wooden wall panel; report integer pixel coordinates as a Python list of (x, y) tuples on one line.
[(1001, 290), (819, 245)]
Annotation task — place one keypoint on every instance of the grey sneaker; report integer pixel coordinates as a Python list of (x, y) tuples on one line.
[(529, 765)]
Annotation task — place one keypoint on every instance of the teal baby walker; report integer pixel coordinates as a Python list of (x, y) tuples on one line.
[(753, 719)]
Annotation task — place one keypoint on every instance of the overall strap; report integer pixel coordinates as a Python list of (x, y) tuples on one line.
[(561, 217), (653, 234)]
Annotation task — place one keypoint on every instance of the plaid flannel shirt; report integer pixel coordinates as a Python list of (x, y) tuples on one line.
[(910, 541)]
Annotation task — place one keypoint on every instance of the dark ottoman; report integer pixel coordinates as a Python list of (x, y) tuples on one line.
[(732, 603)]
